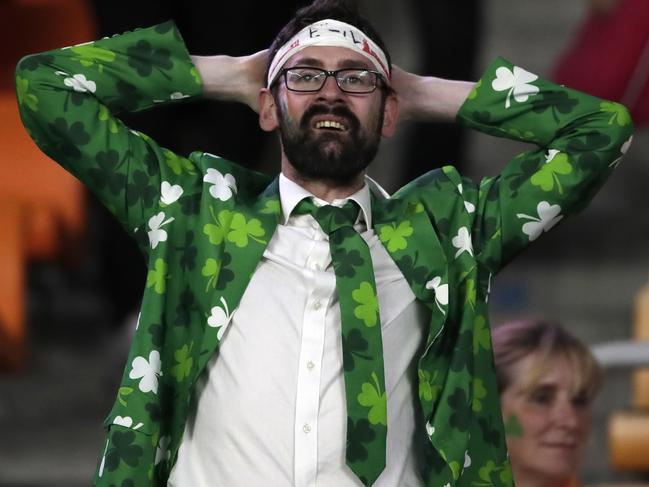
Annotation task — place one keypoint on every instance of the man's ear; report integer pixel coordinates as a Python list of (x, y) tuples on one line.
[(267, 111), (390, 115)]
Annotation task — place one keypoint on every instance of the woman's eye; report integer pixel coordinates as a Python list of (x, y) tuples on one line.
[(542, 398)]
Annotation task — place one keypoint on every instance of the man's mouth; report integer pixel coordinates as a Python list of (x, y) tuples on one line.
[(331, 125)]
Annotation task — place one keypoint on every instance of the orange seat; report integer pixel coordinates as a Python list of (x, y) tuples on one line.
[(39, 202)]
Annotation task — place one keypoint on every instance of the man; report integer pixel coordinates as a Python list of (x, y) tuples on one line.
[(284, 340)]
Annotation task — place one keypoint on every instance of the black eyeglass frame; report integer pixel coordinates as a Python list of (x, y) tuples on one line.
[(378, 77)]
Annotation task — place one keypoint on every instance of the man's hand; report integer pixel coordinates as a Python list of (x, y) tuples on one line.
[(425, 98), (237, 79)]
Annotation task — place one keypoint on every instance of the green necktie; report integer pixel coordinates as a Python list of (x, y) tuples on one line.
[(361, 338)]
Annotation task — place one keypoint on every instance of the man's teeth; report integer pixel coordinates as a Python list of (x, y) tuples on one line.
[(330, 124)]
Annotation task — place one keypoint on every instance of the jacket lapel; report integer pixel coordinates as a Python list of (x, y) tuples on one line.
[(251, 228)]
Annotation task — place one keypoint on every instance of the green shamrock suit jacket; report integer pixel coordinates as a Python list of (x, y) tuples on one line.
[(203, 223)]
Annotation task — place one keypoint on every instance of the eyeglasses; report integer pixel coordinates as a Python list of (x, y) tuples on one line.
[(308, 80)]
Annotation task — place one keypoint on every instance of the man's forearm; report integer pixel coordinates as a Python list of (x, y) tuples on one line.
[(228, 78), (426, 98)]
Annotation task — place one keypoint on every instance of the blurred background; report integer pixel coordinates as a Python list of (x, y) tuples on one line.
[(70, 280)]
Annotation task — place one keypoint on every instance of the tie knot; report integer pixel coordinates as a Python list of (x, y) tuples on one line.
[(330, 217)]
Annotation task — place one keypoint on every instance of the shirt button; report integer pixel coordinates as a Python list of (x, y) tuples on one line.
[(306, 428), (317, 305), (310, 365)]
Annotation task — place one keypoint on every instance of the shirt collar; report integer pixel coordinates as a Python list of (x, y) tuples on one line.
[(291, 193)]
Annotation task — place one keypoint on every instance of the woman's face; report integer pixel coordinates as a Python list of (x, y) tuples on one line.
[(547, 424)]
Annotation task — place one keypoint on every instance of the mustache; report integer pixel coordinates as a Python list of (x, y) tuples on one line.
[(339, 110)]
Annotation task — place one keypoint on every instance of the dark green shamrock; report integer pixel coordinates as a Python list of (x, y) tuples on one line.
[(31, 63), (107, 175), (490, 435), (353, 345), (461, 416), (125, 483), (154, 410), (462, 351), (185, 307), (140, 189), (127, 100), (123, 450), (189, 252), (151, 162), (157, 334), (407, 264), (585, 150), (144, 58), (190, 203), (555, 101), (345, 262), (526, 170), (69, 137), (357, 436)]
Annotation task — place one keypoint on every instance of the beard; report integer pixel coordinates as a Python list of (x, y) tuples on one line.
[(329, 155)]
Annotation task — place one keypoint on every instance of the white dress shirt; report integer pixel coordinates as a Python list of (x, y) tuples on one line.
[(270, 408)]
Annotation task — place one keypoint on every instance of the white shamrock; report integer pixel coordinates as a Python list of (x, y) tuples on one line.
[(462, 242), (467, 459), (127, 422), (623, 150), (162, 451), (517, 82), (220, 318), (100, 473), (550, 155), (79, 83), (223, 187), (147, 371), (470, 207), (156, 233), (170, 194), (177, 95), (430, 429), (441, 292), (549, 216)]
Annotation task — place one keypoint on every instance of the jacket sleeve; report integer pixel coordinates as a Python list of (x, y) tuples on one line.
[(580, 140), (69, 100)]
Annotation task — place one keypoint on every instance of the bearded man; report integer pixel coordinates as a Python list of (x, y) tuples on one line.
[(309, 329)]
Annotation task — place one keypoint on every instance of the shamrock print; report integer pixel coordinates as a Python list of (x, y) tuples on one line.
[(556, 102), (144, 57), (140, 190), (358, 434), (24, 96), (430, 429), (70, 136), (479, 393), (481, 335), (411, 270), (223, 186), (162, 450), (517, 81), (462, 242), (623, 150), (428, 390), (459, 403), (513, 426), (585, 150), (107, 173), (620, 114), (345, 262), (169, 194), (220, 318), (353, 344), (189, 252), (147, 371), (372, 397), (127, 422), (470, 207), (157, 277), (549, 216), (368, 308), (218, 230), (178, 164), (441, 292), (123, 450), (184, 362), (104, 116), (156, 233), (546, 177), (211, 270), (395, 237), (123, 393), (31, 63), (88, 55), (186, 306), (80, 84), (242, 229)]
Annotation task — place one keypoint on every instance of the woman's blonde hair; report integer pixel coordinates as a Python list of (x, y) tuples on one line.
[(515, 340)]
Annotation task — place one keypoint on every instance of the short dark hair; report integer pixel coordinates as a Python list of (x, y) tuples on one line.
[(341, 10)]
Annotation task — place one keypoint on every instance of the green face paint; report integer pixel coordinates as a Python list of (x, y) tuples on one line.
[(513, 427)]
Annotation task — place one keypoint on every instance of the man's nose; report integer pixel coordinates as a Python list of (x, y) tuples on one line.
[(330, 90)]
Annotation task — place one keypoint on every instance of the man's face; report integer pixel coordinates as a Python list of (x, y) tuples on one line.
[(329, 135)]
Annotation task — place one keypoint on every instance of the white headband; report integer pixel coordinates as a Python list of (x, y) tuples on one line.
[(330, 33)]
